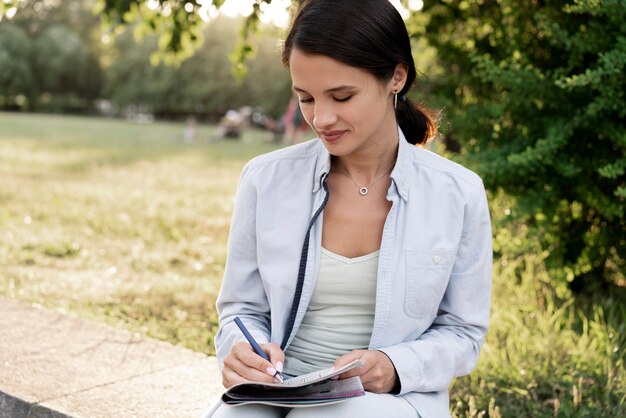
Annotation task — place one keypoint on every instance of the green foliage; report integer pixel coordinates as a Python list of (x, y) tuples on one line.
[(59, 59), (536, 94), (8, 8), (177, 22), (52, 56), (203, 84), (16, 77), (60, 53), (547, 354)]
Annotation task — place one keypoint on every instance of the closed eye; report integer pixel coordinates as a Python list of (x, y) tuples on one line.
[(337, 99)]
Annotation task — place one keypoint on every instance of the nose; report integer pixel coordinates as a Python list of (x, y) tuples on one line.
[(324, 116)]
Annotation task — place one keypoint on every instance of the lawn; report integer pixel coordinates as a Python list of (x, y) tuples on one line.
[(125, 224), (118, 222)]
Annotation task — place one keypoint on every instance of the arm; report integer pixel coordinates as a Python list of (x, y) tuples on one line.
[(450, 347), (242, 293)]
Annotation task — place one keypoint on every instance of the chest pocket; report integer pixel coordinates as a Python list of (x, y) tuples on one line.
[(427, 275)]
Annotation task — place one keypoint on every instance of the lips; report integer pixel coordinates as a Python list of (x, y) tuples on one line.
[(332, 136)]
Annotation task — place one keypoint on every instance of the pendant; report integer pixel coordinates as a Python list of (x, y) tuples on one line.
[(363, 191)]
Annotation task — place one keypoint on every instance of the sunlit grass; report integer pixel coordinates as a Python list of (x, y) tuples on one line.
[(118, 222), (123, 223), (545, 357)]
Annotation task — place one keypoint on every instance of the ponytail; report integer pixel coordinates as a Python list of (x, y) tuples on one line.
[(415, 121)]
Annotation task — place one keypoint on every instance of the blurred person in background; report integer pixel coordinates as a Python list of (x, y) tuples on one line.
[(295, 124)]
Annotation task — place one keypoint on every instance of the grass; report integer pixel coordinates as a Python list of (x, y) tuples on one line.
[(124, 224), (118, 222)]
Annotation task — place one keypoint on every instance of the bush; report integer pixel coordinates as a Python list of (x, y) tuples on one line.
[(545, 355), (535, 93)]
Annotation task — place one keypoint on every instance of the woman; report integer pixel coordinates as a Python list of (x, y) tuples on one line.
[(357, 244)]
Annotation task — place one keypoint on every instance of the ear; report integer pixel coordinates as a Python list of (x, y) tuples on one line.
[(398, 79)]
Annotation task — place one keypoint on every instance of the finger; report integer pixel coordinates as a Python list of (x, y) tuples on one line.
[(357, 371), (276, 355), (231, 378), (247, 356), (250, 373), (348, 358)]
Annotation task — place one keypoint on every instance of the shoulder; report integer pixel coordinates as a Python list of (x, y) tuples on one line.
[(287, 169), (441, 166), (455, 182), (308, 150)]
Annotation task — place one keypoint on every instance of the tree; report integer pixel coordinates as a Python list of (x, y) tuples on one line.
[(535, 93), (61, 56), (203, 84), (177, 22), (57, 60), (16, 77)]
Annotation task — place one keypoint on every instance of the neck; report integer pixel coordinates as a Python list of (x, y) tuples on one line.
[(370, 163)]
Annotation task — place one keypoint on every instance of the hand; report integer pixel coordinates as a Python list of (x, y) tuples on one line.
[(242, 364), (378, 375)]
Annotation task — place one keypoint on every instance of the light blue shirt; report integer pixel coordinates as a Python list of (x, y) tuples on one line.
[(434, 270)]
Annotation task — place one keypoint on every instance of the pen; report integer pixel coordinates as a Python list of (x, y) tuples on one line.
[(257, 349)]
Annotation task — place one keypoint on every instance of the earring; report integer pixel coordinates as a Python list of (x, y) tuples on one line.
[(395, 99)]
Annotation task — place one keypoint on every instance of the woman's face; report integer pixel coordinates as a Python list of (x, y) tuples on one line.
[(348, 108)]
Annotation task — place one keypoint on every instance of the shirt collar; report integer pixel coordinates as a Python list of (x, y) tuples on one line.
[(322, 167), (400, 173)]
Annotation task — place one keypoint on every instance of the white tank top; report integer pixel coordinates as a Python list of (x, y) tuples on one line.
[(340, 316)]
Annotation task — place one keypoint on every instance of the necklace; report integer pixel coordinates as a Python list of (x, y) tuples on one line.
[(364, 190)]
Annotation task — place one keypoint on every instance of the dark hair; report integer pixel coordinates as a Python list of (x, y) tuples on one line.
[(367, 34)]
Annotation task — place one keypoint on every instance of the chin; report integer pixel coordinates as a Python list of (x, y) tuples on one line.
[(338, 150)]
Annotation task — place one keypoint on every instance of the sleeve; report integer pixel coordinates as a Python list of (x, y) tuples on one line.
[(450, 346), (242, 293)]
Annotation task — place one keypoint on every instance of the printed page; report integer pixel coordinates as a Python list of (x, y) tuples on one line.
[(319, 375), (312, 388)]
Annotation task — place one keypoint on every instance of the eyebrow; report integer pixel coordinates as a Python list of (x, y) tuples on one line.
[(332, 90)]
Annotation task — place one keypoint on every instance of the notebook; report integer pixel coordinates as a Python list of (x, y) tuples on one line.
[(307, 390)]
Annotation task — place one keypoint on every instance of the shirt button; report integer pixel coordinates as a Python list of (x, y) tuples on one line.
[(437, 259)]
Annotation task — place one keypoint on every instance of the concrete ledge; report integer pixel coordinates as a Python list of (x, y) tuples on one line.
[(55, 366)]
